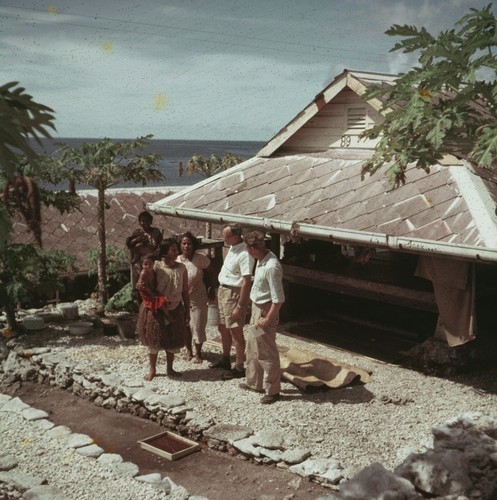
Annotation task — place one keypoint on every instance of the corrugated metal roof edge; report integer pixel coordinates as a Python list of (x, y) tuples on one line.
[(336, 235)]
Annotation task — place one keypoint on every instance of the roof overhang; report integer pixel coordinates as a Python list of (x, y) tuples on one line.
[(335, 235)]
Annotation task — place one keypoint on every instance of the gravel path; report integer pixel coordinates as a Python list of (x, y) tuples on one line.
[(381, 421), (356, 425)]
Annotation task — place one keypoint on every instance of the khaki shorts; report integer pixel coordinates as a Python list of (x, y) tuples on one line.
[(227, 299)]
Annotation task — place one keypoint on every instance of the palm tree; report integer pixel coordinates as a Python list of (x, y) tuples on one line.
[(102, 165), (212, 165)]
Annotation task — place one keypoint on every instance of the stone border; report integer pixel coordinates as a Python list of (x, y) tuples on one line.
[(463, 460)]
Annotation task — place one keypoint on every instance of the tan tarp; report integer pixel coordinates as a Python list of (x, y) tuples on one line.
[(305, 368), (454, 287)]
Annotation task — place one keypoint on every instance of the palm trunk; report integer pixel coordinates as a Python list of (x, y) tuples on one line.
[(102, 250)]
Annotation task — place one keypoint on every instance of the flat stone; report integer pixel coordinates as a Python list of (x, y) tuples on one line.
[(134, 383), (295, 456), (45, 492), (7, 462), (20, 480), (78, 440), (154, 478), (110, 380), (178, 410), (271, 439), (246, 446), (326, 470), (53, 358), (44, 424), (15, 405), (34, 414), (143, 394), (59, 432), (274, 455), (11, 364), (129, 391), (92, 450), (172, 401), (127, 469), (4, 398), (228, 433), (107, 459), (197, 421)]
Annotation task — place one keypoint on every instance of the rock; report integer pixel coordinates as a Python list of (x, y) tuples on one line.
[(375, 482), (20, 480), (107, 459), (437, 472), (154, 478), (247, 446), (91, 450), (78, 440), (14, 405), (228, 433), (45, 492), (295, 456), (271, 439), (325, 470), (127, 469), (34, 414), (60, 432), (7, 462)]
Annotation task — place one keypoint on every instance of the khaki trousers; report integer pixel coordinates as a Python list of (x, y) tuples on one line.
[(263, 360)]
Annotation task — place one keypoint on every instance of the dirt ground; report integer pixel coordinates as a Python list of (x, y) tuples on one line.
[(207, 473)]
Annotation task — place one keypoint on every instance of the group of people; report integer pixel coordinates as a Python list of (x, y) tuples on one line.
[(176, 283)]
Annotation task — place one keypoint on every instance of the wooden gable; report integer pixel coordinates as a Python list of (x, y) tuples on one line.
[(338, 124)]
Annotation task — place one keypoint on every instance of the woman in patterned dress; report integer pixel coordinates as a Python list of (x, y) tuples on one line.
[(153, 331)]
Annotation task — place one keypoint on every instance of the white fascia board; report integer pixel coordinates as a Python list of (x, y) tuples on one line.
[(479, 202), (337, 235)]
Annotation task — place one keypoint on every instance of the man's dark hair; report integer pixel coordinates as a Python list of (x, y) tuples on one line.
[(146, 215), (235, 229)]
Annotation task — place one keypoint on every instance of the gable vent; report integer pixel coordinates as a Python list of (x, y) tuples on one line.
[(356, 118)]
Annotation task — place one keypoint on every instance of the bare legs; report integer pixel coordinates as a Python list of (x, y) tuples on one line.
[(171, 372), (152, 358), (231, 336), (188, 344), (198, 353)]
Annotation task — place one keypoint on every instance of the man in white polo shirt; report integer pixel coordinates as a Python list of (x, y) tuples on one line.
[(235, 279)]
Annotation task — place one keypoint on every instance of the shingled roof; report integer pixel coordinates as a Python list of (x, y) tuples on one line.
[(307, 181), (76, 232)]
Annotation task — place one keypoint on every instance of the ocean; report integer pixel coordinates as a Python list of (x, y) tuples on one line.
[(172, 152)]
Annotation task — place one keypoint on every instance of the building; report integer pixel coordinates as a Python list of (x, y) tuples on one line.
[(429, 244)]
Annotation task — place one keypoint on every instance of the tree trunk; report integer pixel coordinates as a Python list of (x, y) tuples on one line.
[(10, 312), (102, 250)]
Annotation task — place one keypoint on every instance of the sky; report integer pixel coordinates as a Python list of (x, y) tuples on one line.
[(230, 70)]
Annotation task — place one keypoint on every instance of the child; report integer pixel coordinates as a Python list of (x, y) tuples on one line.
[(146, 287)]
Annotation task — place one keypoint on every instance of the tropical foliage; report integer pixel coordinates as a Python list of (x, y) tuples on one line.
[(212, 165), (21, 119), (28, 274), (102, 165), (446, 104)]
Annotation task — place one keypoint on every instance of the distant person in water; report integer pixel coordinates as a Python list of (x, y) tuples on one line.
[(143, 241)]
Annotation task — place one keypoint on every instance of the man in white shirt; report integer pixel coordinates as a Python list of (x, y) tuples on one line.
[(235, 279), (267, 296)]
